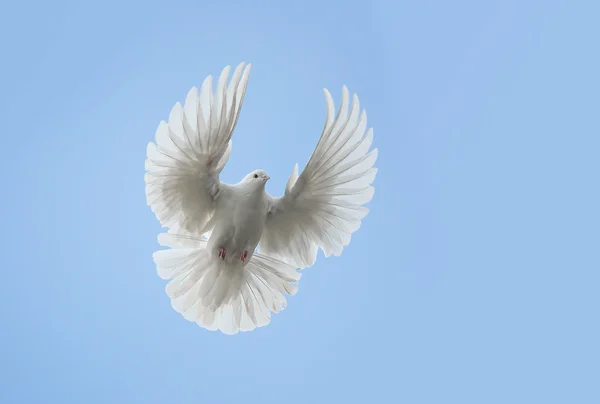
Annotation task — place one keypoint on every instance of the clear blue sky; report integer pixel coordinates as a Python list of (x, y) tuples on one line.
[(473, 280)]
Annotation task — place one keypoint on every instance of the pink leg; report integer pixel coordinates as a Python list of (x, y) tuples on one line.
[(221, 253), (244, 256)]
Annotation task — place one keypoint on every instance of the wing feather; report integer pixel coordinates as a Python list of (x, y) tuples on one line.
[(322, 207), (191, 149)]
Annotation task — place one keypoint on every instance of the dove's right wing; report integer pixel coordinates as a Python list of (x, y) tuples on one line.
[(182, 182), (323, 206)]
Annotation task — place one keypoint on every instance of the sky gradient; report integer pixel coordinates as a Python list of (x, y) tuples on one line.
[(474, 279)]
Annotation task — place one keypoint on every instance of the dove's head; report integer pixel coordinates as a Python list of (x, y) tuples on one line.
[(257, 178)]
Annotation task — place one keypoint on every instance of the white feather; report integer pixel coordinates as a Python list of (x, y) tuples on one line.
[(191, 150), (322, 207), (218, 295)]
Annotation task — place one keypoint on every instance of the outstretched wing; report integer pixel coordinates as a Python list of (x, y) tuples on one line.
[(323, 206), (183, 166)]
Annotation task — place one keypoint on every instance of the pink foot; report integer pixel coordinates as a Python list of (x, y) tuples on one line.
[(222, 253), (244, 256)]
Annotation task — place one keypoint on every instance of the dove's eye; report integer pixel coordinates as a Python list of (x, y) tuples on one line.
[(255, 175)]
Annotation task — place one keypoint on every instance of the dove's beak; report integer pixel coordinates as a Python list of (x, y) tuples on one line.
[(266, 178)]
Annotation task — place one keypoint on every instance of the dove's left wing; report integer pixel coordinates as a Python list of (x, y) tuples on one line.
[(323, 206), (182, 182)]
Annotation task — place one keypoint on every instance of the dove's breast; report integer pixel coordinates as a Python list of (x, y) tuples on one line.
[(239, 221)]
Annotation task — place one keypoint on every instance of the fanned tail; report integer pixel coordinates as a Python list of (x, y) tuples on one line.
[(221, 296)]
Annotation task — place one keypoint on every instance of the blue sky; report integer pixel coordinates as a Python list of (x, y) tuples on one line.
[(473, 280)]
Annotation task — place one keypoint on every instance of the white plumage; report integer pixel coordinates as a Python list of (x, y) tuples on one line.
[(218, 280)]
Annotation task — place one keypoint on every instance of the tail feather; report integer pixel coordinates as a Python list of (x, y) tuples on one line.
[(186, 304), (257, 311), (220, 296)]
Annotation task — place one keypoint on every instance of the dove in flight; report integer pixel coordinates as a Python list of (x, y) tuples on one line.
[(217, 278)]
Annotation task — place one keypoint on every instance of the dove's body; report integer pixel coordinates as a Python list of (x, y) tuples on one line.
[(240, 215), (218, 280)]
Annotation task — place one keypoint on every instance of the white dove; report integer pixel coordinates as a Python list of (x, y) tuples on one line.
[(218, 280)]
